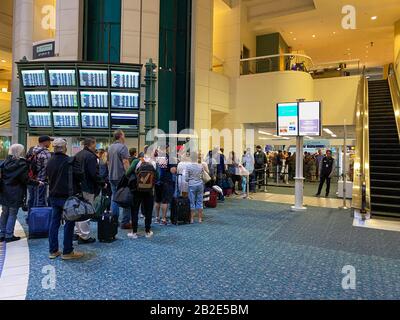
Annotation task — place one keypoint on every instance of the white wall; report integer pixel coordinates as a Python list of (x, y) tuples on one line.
[(248, 36), (339, 97)]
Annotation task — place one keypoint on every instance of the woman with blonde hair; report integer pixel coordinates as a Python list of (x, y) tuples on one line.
[(14, 181)]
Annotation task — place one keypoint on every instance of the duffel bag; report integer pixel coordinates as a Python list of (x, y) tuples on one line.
[(77, 209)]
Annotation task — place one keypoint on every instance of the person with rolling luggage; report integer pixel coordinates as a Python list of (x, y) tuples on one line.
[(194, 177), (13, 184), (142, 176)]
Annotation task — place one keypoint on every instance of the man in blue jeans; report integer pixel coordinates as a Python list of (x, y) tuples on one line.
[(118, 164), (57, 170)]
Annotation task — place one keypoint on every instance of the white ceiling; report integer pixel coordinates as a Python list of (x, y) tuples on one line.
[(298, 20)]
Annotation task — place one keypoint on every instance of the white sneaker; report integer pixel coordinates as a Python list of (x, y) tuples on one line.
[(149, 234), (132, 235)]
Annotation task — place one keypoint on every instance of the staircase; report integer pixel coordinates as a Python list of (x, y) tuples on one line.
[(384, 152)]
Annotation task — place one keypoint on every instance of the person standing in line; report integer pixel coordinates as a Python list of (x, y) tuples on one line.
[(319, 158), (91, 184), (58, 170), (118, 163), (14, 180), (132, 155), (260, 161), (39, 156), (233, 170), (145, 170), (248, 164), (194, 177), (327, 169)]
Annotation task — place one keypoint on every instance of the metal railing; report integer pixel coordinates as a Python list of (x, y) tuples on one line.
[(276, 62), (395, 93), (361, 186)]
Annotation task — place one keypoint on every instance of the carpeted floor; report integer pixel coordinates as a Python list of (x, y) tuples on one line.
[(244, 250)]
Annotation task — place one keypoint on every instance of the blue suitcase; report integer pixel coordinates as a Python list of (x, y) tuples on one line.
[(39, 222)]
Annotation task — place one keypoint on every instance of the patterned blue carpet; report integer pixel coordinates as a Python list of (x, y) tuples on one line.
[(244, 250)]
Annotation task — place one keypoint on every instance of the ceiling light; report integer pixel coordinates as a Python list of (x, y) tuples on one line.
[(334, 32), (334, 136), (328, 131), (294, 39), (313, 35), (374, 18), (3, 61), (291, 32), (4, 90), (263, 132)]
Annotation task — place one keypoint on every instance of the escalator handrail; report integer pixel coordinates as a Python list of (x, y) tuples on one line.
[(394, 85), (361, 186)]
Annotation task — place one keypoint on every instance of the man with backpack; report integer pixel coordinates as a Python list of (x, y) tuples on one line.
[(38, 158), (144, 172), (260, 161)]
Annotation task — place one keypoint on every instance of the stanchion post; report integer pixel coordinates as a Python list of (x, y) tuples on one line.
[(299, 187), (344, 173)]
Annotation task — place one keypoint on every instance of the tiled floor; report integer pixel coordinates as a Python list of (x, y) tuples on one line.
[(15, 275)]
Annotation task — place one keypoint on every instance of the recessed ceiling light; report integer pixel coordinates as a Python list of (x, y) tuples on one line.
[(4, 90), (334, 32), (348, 49), (313, 35), (4, 61), (374, 18), (294, 39), (291, 32)]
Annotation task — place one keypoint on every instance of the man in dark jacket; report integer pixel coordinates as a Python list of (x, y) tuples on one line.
[(260, 161), (327, 169), (91, 184), (60, 189)]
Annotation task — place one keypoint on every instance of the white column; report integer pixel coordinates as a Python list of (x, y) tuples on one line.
[(22, 46), (299, 184)]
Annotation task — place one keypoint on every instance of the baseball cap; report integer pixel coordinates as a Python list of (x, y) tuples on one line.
[(59, 143), (44, 139)]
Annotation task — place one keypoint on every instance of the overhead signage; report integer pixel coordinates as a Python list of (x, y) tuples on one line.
[(288, 119), (44, 50)]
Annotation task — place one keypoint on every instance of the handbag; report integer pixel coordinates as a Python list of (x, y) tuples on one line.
[(206, 177), (123, 197), (76, 209)]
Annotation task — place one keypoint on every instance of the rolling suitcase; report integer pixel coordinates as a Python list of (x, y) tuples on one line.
[(39, 221), (180, 208), (107, 227)]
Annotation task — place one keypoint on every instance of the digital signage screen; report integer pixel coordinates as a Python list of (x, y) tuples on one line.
[(93, 78), (64, 99), (125, 79), (287, 119), (37, 99), (33, 78), (66, 119), (95, 100), (122, 100), (94, 120), (62, 78), (310, 118), (124, 121), (39, 119)]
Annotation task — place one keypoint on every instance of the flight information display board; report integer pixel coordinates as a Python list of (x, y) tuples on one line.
[(93, 78), (94, 120), (124, 121), (124, 100), (64, 99), (288, 119), (310, 119), (125, 79), (34, 78), (66, 119), (36, 99), (62, 78), (94, 99), (39, 119), (79, 98)]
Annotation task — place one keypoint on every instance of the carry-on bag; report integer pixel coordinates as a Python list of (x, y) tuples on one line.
[(180, 208), (107, 227), (38, 220)]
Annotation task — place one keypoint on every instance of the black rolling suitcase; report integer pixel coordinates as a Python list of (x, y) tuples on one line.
[(180, 208), (107, 227)]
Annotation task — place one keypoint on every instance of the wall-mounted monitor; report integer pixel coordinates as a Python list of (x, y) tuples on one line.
[(37, 99), (124, 121), (64, 99), (125, 79), (33, 78), (66, 120), (93, 78), (96, 100), (310, 118), (62, 78), (94, 120), (122, 100), (39, 119), (287, 114)]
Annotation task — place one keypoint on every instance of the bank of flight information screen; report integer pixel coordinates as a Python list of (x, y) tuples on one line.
[(81, 96)]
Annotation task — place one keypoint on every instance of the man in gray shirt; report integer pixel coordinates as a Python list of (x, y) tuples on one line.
[(118, 163)]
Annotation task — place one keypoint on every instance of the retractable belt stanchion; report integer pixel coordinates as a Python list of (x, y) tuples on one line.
[(299, 187), (344, 169)]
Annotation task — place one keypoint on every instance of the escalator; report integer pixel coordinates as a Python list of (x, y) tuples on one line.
[(384, 151)]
